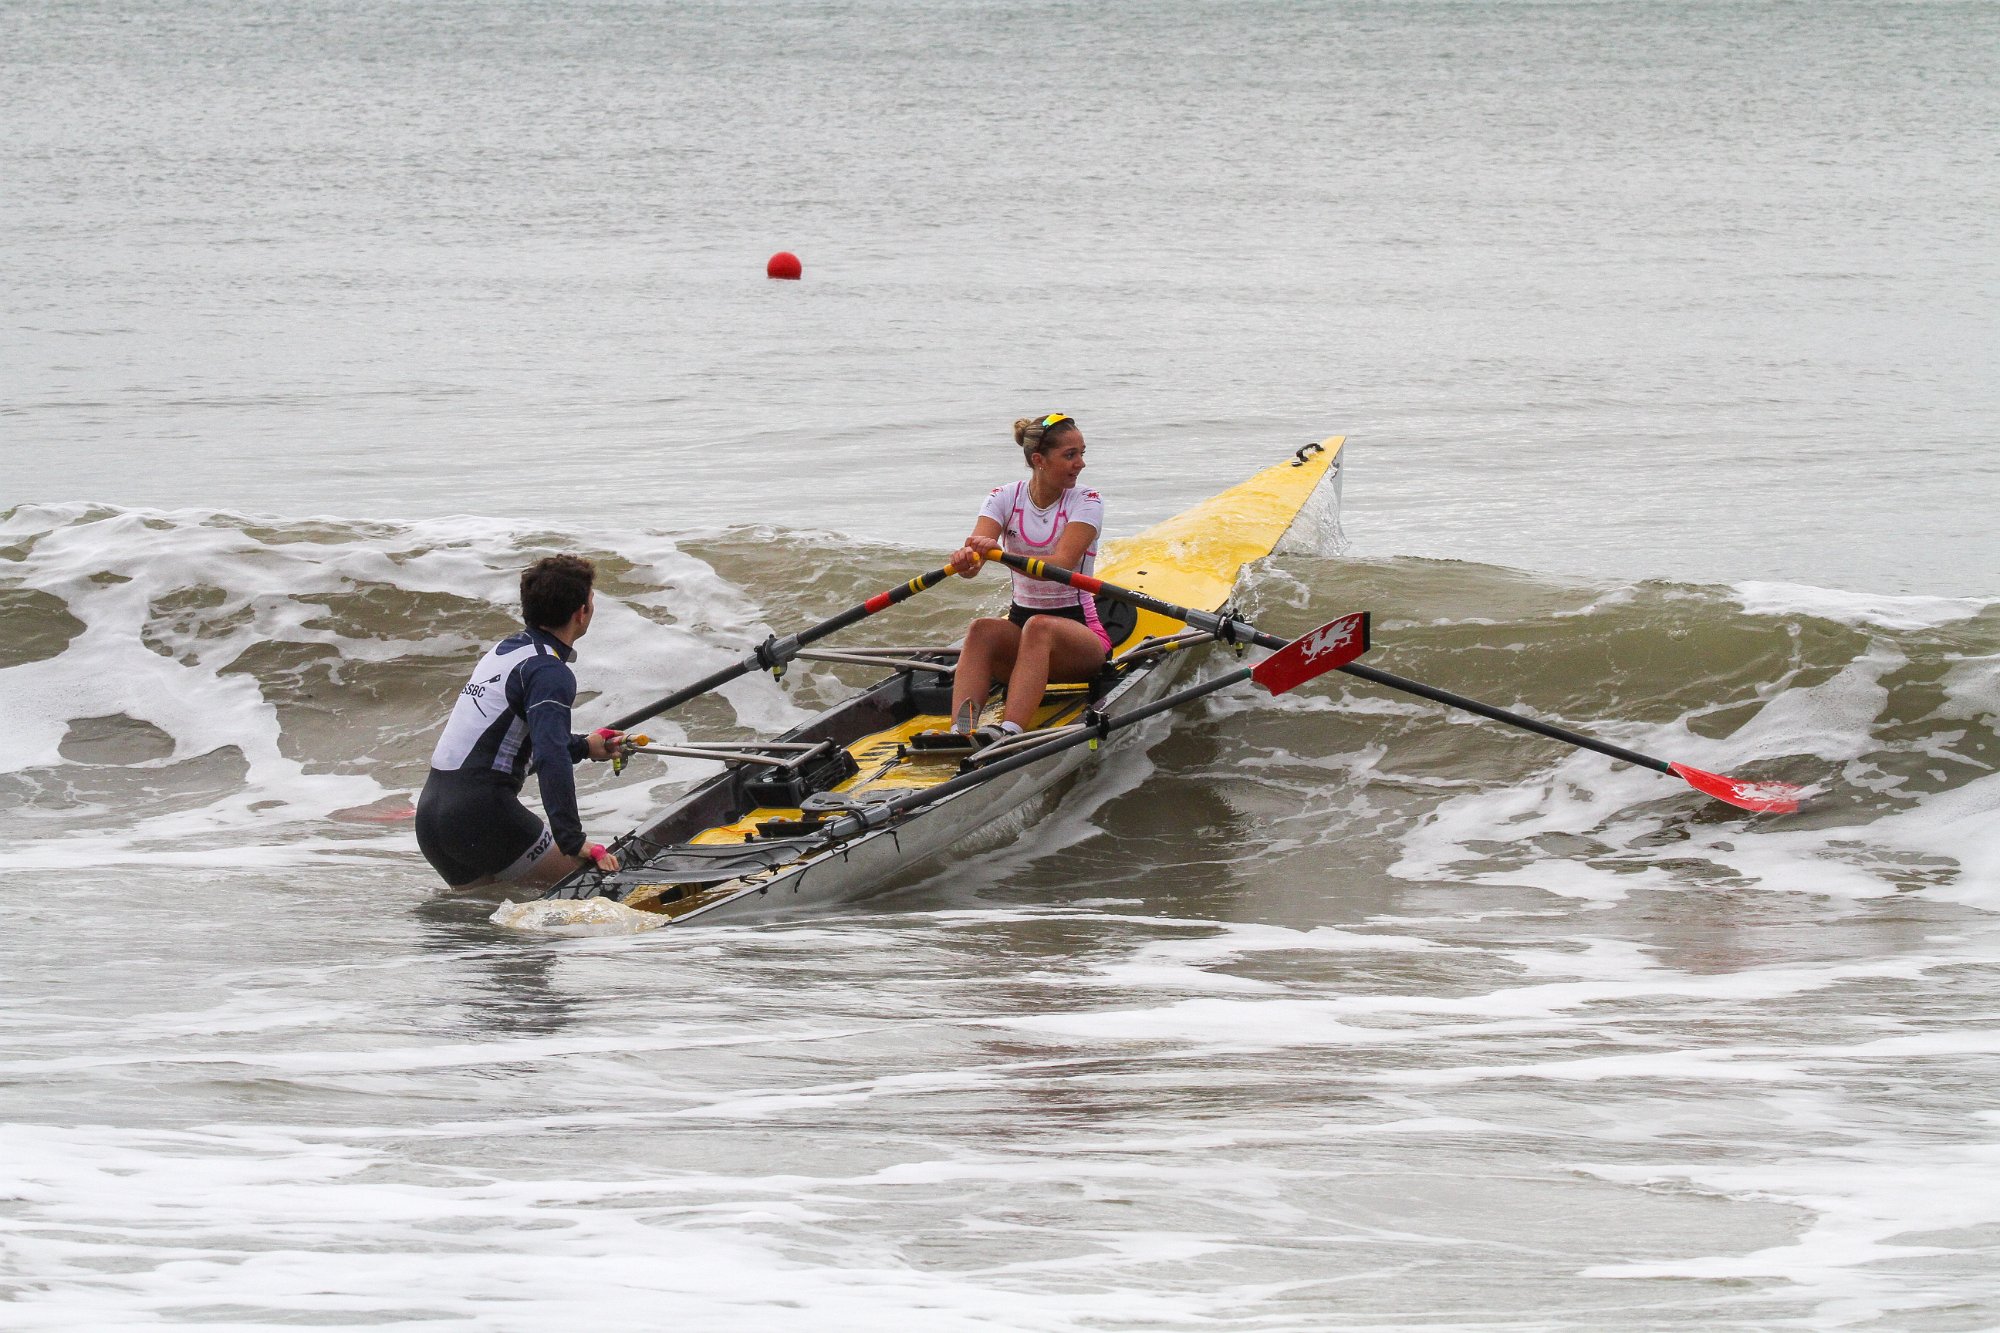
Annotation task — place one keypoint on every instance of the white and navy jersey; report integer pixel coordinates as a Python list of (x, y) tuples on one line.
[(1028, 530), (513, 717)]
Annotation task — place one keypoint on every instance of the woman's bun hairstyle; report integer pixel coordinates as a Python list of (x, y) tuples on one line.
[(1032, 433)]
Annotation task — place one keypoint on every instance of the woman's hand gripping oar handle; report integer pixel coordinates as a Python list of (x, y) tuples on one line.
[(1763, 797), (772, 654)]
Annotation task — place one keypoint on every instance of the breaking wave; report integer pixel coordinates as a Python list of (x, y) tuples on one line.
[(188, 683)]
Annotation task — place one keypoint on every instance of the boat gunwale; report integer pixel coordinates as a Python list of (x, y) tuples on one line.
[(721, 789)]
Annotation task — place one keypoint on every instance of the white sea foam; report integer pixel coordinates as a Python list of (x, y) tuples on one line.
[(278, 1228), (588, 916), (1872, 1207), (1275, 1024), (1188, 963), (1873, 610), (110, 569)]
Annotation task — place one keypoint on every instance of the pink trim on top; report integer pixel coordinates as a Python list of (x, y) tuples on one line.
[(1015, 528), (1084, 601), (1089, 605)]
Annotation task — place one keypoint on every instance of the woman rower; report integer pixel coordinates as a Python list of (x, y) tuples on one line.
[(1051, 632)]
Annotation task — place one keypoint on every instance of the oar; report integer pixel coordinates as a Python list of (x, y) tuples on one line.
[(774, 652), (1332, 645), (1768, 797)]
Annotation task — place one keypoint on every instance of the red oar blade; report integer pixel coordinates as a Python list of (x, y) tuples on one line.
[(1769, 798), (1334, 644)]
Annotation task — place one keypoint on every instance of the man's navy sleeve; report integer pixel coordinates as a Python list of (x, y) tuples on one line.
[(548, 689)]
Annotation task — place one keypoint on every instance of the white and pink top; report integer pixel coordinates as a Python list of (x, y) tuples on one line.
[(1028, 529)]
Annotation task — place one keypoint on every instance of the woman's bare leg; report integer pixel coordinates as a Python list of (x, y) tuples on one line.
[(1051, 649), (990, 647)]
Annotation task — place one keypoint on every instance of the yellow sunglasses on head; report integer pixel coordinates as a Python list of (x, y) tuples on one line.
[(1055, 417)]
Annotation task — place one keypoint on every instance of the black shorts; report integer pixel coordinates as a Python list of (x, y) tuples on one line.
[(471, 826), (1021, 615)]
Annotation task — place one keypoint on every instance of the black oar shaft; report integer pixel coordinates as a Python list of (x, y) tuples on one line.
[(1548, 729), (1241, 632), (775, 652), (681, 696)]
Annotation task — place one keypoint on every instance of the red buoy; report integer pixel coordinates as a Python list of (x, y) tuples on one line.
[(784, 264)]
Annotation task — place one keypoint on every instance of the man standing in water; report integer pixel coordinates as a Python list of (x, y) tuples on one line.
[(512, 717)]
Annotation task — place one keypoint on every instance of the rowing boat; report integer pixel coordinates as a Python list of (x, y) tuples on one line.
[(835, 807), (832, 809)]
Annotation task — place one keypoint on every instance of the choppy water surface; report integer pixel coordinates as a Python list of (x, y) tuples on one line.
[(1320, 1010), (1663, 334)]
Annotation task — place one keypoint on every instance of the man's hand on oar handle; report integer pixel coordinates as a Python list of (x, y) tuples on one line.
[(617, 746)]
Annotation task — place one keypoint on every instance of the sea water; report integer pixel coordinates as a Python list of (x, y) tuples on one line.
[(1663, 336)]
